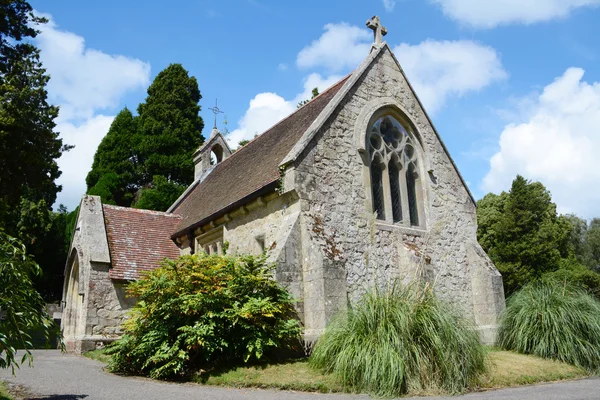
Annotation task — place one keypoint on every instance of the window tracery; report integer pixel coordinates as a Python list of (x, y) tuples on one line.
[(394, 173)]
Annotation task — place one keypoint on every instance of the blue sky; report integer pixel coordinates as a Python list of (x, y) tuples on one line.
[(511, 85)]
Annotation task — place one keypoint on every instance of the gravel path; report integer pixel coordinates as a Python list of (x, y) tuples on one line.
[(57, 376)]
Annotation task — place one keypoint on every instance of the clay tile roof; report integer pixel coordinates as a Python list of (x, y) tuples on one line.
[(138, 240), (252, 167)]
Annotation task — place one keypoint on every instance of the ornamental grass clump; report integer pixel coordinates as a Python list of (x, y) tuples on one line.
[(399, 341), (200, 312), (553, 320)]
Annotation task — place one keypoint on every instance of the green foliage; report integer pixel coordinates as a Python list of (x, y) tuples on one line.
[(22, 307), (577, 243), (555, 321), (43, 232), (145, 161), (315, 93), (574, 273), (522, 233), (200, 311), (160, 195), (113, 176), (403, 340), (109, 188), (592, 239), (169, 127), (29, 147)]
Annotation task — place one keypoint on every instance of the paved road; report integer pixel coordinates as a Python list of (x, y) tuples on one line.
[(57, 376)]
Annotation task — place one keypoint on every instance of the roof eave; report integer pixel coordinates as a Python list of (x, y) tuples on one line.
[(269, 187), (331, 107)]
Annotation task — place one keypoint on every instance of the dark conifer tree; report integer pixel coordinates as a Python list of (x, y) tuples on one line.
[(114, 175), (170, 127)]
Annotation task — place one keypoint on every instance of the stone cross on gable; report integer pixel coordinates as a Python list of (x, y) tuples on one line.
[(379, 31)]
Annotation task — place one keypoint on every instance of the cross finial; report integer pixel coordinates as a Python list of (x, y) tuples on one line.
[(379, 31), (216, 111)]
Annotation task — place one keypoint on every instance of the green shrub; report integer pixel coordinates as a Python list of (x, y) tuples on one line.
[(556, 321), (577, 274), (401, 341), (22, 309), (200, 311)]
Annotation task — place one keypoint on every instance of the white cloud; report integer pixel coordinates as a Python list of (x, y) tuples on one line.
[(76, 163), (441, 69), (83, 82), (437, 69), (558, 145), (342, 46), (266, 109), (389, 5), (488, 14)]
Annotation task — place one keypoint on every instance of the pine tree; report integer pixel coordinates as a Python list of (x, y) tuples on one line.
[(522, 233), (114, 175), (170, 127)]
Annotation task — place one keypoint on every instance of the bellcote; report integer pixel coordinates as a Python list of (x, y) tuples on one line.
[(217, 146)]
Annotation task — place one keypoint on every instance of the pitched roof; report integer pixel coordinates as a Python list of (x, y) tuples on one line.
[(138, 240), (252, 167)]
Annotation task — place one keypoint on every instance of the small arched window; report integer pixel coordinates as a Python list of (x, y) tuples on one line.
[(394, 172)]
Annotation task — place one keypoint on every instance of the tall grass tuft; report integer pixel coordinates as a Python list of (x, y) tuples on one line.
[(556, 321), (399, 341)]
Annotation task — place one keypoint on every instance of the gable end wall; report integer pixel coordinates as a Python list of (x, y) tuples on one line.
[(348, 251)]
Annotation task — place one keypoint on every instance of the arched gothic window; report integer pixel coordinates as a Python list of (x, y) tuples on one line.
[(394, 171)]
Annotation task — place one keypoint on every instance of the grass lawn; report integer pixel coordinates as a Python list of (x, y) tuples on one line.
[(4, 395), (511, 369), (98, 355), (505, 369)]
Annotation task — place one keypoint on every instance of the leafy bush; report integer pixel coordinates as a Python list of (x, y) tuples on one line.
[(403, 340), (22, 309), (199, 311), (556, 321), (577, 274)]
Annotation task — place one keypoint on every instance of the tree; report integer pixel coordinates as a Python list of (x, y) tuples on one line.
[(522, 233), (29, 147), (592, 240), (577, 240), (160, 195), (21, 306), (114, 175), (169, 128), (315, 93)]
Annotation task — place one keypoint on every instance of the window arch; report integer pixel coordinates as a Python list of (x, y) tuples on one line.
[(394, 171)]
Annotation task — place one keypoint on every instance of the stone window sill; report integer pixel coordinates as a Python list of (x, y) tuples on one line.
[(386, 226)]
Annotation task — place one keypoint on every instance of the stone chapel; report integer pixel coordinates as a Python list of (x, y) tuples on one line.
[(354, 189)]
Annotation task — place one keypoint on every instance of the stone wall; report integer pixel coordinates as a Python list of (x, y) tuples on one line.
[(269, 223), (95, 305), (107, 307), (347, 251)]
